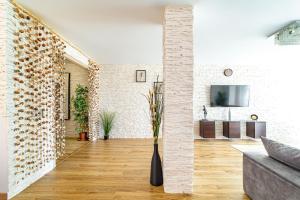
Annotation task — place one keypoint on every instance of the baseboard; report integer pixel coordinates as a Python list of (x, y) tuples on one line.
[(3, 196)]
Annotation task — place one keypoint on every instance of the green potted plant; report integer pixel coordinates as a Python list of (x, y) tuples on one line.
[(156, 107), (107, 121), (80, 111)]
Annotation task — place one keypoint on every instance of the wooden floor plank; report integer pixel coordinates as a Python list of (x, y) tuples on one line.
[(119, 170)]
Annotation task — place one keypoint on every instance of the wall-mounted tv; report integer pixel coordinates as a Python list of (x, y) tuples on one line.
[(229, 95)]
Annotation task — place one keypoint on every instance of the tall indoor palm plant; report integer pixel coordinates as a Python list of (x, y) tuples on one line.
[(156, 105), (80, 108)]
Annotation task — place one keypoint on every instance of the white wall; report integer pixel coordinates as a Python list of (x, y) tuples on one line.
[(273, 97), (120, 93)]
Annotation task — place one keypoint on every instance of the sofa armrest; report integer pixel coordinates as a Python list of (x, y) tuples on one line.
[(265, 178)]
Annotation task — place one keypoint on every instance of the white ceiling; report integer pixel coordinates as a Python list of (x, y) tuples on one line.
[(130, 31)]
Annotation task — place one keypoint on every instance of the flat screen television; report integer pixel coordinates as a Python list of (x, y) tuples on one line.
[(229, 95)]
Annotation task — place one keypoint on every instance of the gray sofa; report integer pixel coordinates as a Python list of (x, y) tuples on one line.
[(265, 178)]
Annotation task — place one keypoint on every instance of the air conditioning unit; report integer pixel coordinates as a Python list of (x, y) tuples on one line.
[(288, 35)]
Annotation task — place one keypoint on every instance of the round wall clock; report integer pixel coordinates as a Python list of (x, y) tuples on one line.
[(254, 117), (228, 72)]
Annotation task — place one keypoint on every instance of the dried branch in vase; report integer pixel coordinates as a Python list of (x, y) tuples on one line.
[(156, 107)]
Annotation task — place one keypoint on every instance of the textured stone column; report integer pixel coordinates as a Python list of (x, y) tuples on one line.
[(94, 100), (178, 142), (3, 103)]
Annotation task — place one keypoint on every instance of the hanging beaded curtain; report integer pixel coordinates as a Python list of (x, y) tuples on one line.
[(94, 102), (59, 120), (38, 88)]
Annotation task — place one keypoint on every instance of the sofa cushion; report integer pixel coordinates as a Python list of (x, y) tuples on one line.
[(282, 152)]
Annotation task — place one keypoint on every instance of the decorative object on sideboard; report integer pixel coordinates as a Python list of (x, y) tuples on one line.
[(229, 114), (204, 112), (228, 72), (140, 76), (80, 109), (254, 117), (156, 107), (107, 121)]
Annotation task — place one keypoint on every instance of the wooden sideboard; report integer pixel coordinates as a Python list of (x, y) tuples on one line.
[(232, 129), (207, 129), (255, 129)]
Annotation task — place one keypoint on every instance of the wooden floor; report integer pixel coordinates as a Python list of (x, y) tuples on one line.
[(119, 169), (72, 146)]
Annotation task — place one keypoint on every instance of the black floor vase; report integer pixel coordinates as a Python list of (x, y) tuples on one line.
[(156, 177)]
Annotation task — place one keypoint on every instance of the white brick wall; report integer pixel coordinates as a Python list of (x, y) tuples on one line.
[(120, 93), (178, 149), (9, 63), (3, 102), (3, 81)]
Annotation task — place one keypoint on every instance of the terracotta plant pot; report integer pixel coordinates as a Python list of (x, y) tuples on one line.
[(106, 137), (83, 136)]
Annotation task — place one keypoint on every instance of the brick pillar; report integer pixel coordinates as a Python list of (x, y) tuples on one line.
[(94, 100), (3, 102), (178, 141)]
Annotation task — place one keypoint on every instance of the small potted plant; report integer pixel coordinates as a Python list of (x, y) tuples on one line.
[(80, 111), (107, 121)]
